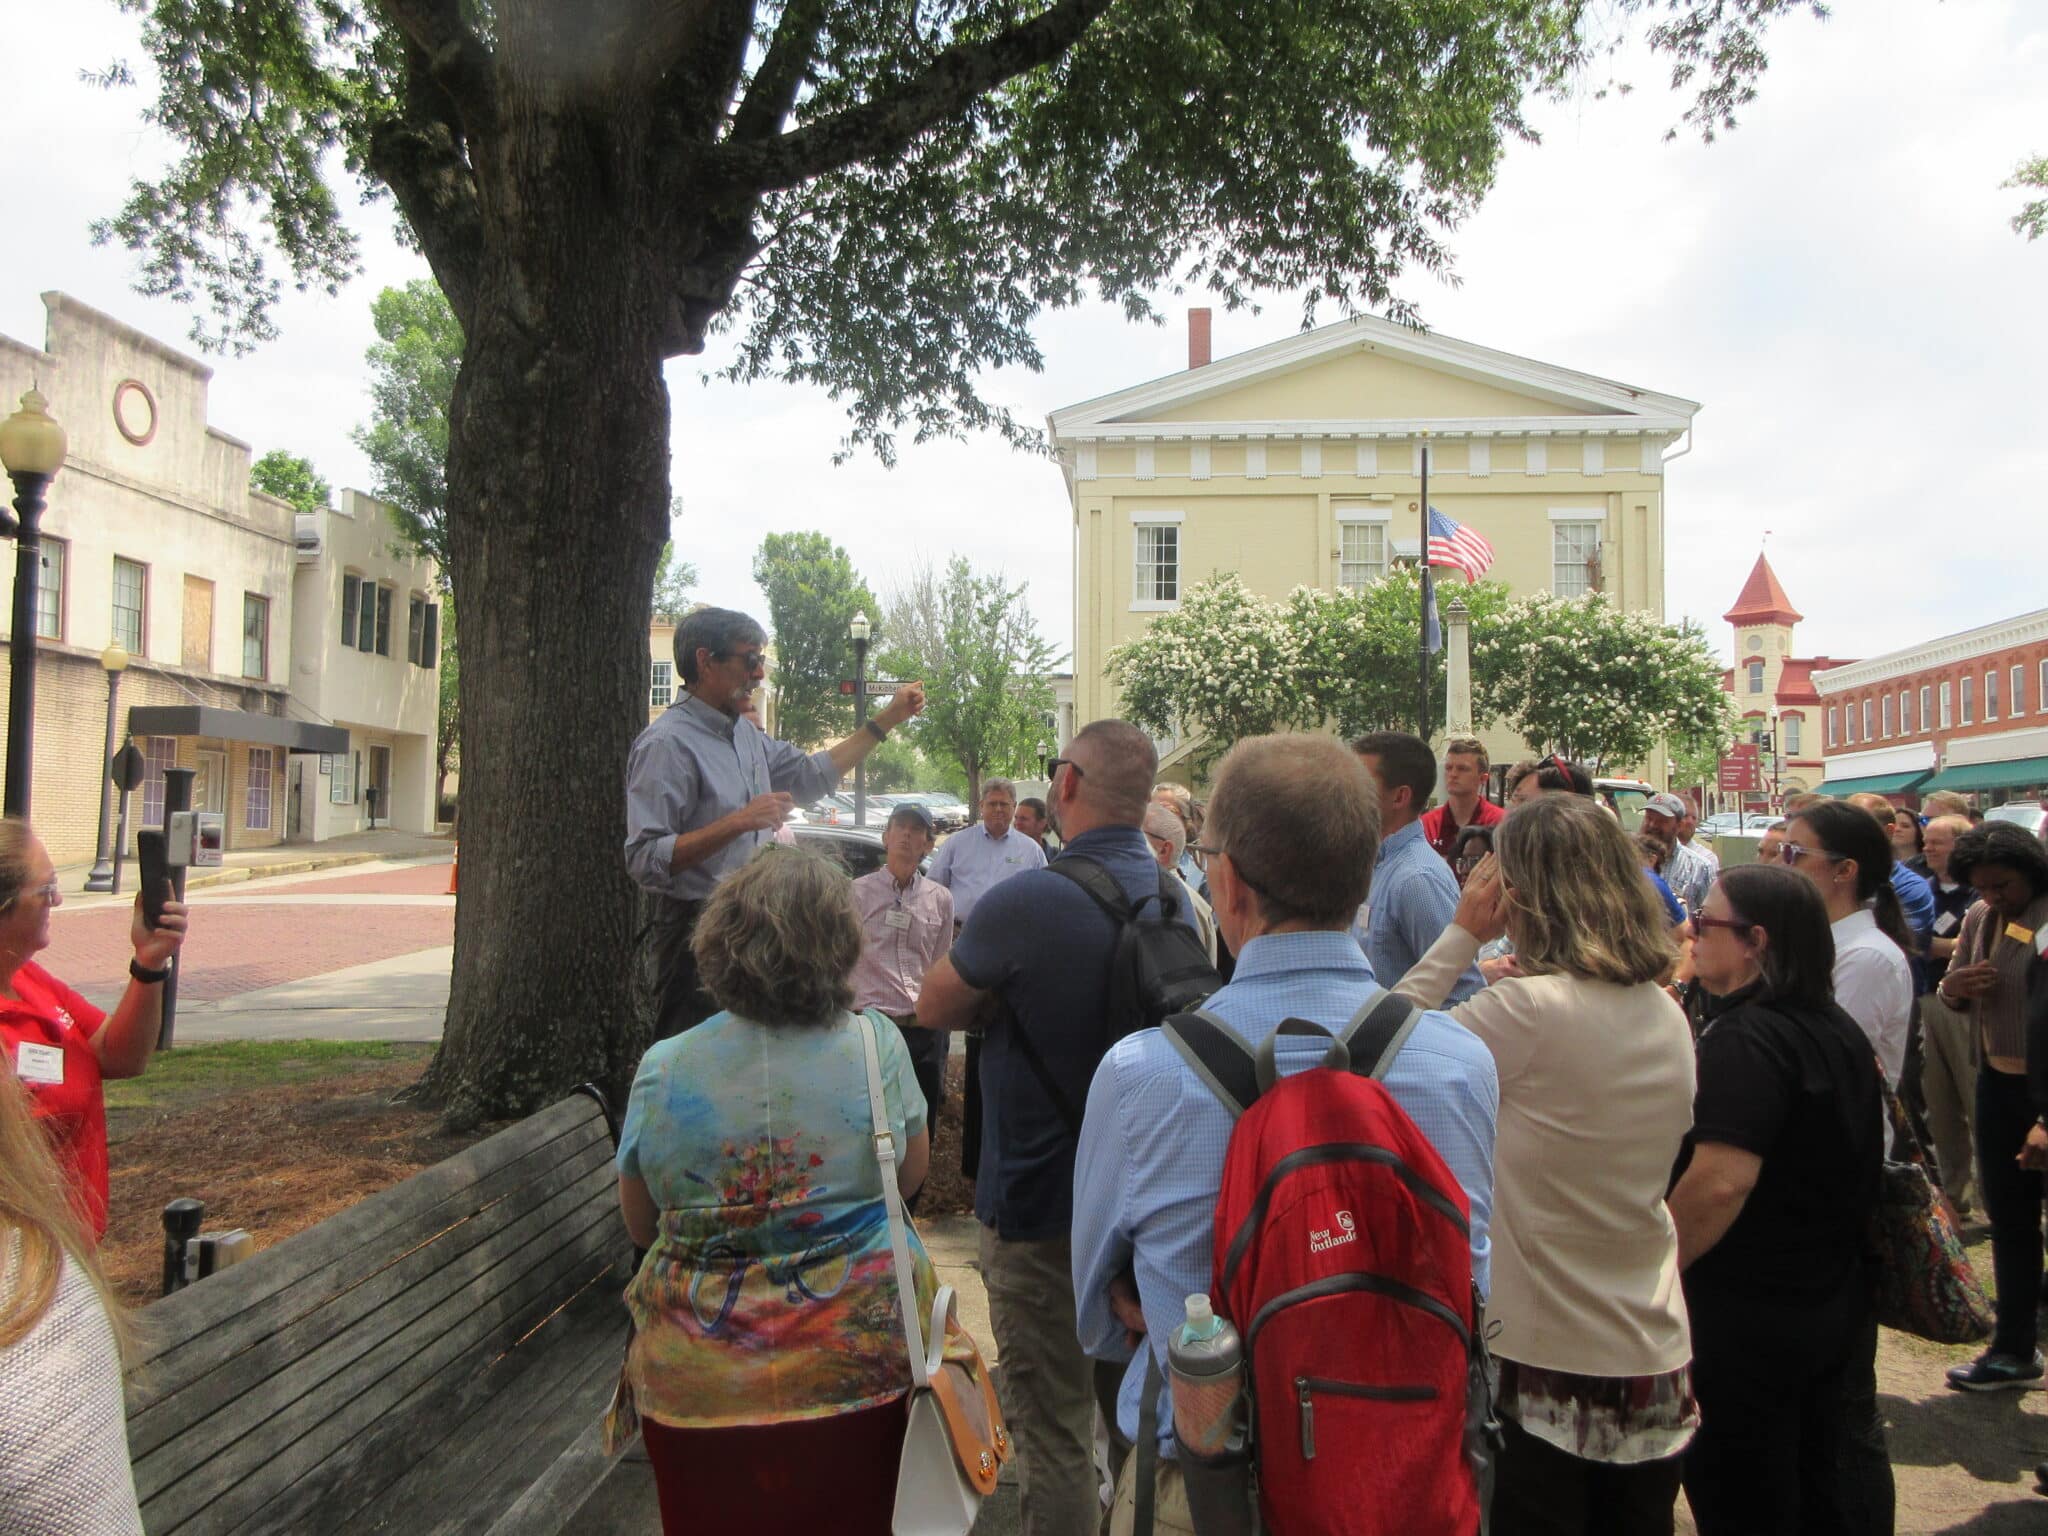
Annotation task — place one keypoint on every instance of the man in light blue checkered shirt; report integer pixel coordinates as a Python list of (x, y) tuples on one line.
[(1152, 1144)]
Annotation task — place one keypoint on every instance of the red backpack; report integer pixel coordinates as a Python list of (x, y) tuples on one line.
[(1343, 1256)]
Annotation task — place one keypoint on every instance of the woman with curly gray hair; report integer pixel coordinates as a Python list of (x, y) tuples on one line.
[(767, 1323)]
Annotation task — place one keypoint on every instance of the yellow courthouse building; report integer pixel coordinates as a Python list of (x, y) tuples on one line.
[(1298, 464)]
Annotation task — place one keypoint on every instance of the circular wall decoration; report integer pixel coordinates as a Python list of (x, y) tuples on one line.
[(1756, 642), (135, 412)]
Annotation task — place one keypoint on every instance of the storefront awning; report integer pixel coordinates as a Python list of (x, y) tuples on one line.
[(1877, 784), (235, 725), (2011, 774)]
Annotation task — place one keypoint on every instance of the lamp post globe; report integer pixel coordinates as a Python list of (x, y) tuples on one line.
[(114, 659), (32, 448)]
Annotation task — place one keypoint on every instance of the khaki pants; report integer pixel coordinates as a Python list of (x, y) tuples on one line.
[(1170, 1515), (1045, 1383), (1948, 1084)]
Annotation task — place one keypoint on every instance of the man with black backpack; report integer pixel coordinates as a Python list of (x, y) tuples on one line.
[(1355, 1202), (1079, 953)]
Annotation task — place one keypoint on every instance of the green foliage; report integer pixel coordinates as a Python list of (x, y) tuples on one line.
[(987, 671), (813, 591), (673, 579), (413, 364), (1360, 652), (1579, 677), (899, 764), (290, 478), (2032, 219)]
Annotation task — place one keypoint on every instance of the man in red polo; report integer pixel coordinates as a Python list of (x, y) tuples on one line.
[(1464, 804)]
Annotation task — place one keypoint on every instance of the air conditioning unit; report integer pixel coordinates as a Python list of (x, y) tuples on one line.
[(309, 536)]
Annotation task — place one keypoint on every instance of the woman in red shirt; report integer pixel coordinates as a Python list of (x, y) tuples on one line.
[(60, 1046)]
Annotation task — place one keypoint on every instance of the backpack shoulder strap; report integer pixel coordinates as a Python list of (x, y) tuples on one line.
[(1095, 880), (1377, 1032), (1217, 1055)]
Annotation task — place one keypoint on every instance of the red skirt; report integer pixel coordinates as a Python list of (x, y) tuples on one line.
[(797, 1479)]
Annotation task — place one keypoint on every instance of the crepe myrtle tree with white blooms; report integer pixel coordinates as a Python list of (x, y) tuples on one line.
[(1583, 678)]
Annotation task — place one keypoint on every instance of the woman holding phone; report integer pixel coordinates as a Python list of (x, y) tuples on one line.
[(60, 1045)]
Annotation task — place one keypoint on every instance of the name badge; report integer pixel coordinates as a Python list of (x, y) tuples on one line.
[(896, 918), (42, 1064), (1945, 922), (2018, 934)]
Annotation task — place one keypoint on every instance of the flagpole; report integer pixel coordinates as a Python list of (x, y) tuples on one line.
[(1422, 628)]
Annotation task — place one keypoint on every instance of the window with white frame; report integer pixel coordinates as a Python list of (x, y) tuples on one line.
[(661, 688), (1791, 728), (341, 785), (1887, 714), (158, 753), (1905, 711), (131, 584), (351, 607), (1926, 706), (1947, 702), (255, 638), (1868, 734), (1575, 560), (1156, 572), (1834, 726), (50, 564), (1756, 677), (1361, 554), (1969, 701), (256, 816), (1990, 696), (2041, 689), (2018, 702), (1848, 725)]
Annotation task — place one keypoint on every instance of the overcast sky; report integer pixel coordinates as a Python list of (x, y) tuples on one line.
[(1836, 281)]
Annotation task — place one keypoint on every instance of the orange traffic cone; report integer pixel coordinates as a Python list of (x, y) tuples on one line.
[(454, 866)]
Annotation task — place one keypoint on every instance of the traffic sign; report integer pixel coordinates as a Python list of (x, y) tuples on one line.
[(1741, 770), (126, 768), (875, 685)]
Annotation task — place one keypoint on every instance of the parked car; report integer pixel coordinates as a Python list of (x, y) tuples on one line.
[(2020, 814), (1626, 798), (1729, 821), (949, 813), (857, 850)]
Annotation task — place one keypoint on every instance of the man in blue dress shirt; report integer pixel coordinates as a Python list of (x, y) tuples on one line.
[(705, 788), (1153, 1136), (1414, 892)]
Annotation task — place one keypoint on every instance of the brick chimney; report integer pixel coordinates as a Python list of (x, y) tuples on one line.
[(1198, 338)]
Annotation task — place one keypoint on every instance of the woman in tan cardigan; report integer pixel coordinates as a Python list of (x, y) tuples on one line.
[(1596, 1089)]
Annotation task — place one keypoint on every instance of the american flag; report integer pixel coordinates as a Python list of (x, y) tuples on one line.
[(1463, 549)]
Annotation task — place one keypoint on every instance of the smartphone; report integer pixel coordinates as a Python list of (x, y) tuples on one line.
[(154, 856)]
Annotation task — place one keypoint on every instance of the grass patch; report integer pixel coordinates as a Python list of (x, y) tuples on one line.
[(190, 1073)]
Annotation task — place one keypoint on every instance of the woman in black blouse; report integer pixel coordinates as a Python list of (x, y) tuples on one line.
[(1774, 1198)]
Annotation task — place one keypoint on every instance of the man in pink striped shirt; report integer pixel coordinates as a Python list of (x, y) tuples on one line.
[(906, 924)]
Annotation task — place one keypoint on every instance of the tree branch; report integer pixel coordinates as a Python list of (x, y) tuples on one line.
[(420, 156), (890, 121), (781, 75), (455, 55)]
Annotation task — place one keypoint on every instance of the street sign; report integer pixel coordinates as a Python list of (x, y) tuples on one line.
[(875, 685), (126, 768), (1741, 770)]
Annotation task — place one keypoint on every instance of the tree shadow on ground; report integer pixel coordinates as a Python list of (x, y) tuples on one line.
[(1987, 1435)]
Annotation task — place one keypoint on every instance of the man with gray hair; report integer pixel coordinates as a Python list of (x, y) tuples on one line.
[(975, 859), (1042, 944), (705, 788), (1168, 835)]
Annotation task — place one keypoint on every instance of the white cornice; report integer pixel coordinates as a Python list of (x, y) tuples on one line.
[(1443, 428), (1970, 643), (1644, 409), (1910, 758)]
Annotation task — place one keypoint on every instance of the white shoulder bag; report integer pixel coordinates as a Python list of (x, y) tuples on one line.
[(956, 1439)]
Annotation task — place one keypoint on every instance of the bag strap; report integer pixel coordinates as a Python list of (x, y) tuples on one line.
[(1217, 1055), (1337, 1056), (921, 1369), (1377, 1032), (1028, 1048), (1097, 882), (1145, 1480), (1109, 896)]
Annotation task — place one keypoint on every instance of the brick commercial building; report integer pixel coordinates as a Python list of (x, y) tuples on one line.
[(155, 542), (1966, 712)]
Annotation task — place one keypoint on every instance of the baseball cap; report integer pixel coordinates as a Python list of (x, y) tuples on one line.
[(1666, 805), (910, 810)]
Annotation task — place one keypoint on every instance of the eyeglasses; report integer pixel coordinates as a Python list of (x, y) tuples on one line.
[(1792, 853), (50, 893), (1732, 924), (1208, 852), (752, 661), (1053, 765)]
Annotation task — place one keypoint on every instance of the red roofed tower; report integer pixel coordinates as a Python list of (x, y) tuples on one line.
[(1771, 684)]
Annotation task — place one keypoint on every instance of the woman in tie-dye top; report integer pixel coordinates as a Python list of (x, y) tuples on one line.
[(768, 1362)]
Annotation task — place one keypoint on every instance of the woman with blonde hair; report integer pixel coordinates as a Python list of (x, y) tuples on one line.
[(63, 1431), (1596, 1090), (768, 1363)]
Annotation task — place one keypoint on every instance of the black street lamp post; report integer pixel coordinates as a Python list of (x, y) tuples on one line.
[(32, 451), (857, 631), (115, 659)]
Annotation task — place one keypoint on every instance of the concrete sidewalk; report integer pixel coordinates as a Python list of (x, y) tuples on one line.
[(271, 863), (403, 998)]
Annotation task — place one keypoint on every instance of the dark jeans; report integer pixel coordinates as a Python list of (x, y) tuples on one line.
[(970, 1111), (680, 999), (1775, 1454), (1543, 1491), (1869, 1497), (2012, 1200), (927, 1048)]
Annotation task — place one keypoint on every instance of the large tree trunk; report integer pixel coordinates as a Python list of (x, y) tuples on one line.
[(558, 502)]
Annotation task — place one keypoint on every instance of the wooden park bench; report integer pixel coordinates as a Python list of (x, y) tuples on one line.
[(434, 1360)]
